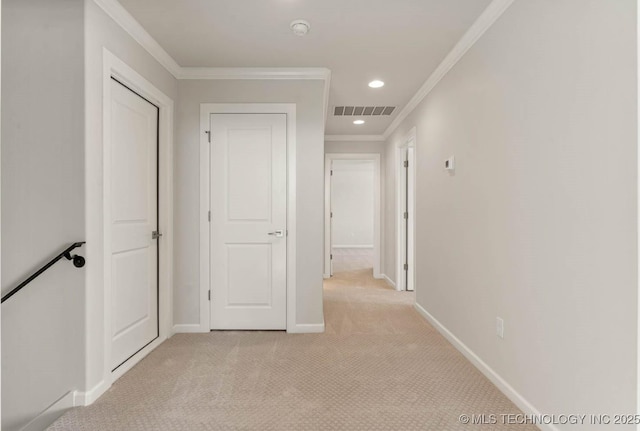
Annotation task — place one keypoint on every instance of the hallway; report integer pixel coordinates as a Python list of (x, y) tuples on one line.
[(351, 259), (378, 366)]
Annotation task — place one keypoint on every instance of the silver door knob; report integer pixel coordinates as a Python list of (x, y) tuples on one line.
[(277, 233)]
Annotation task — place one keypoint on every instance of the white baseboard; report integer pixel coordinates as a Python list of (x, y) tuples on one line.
[(352, 246), (87, 398), (388, 280), (306, 328), (494, 377), (188, 328), (51, 413)]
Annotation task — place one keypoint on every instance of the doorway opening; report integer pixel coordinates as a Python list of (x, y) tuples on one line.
[(352, 214)]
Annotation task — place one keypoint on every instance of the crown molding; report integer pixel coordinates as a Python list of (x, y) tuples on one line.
[(354, 138), (320, 73), (486, 19), (129, 24), (288, 73), (125, 20)]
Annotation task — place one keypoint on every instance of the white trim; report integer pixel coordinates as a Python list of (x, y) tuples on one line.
[(326, 276), (307, 328), (129, 24), (485, 369), (388, 280), (325, 95), (264, 73), (187, 328), (638, 210), (409, 141), (353, 246), (206, 109), (125, 20), (114, 67), (377, 207), (0, 202), (486, 19), (354, 138), (327, 265), (51, 413), (320, 73), (86, 398)]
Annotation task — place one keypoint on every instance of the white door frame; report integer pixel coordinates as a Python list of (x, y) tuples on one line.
[(114, 67), (206, 109), (408, 142), (377, 225)]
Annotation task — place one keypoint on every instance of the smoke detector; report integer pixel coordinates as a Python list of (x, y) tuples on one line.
[(300, 27)]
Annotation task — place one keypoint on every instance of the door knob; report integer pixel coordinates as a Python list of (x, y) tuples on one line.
[(277, 233)]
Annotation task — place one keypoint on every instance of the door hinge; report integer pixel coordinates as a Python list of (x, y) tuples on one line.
[(156, 234), (208, 132), (406, 266), (406, 215), (331, 214), (331, 172), (209, 216), (406, 163), (331, 256), (209, 295)]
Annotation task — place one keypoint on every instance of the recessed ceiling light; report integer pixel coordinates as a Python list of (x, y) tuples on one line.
[(300, 27), (376, 84), (358, 122)]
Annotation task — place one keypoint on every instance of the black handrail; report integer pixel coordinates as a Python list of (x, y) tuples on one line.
[(78, 262)]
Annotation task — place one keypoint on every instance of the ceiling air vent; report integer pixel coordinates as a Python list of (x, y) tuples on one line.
[(358, 111)]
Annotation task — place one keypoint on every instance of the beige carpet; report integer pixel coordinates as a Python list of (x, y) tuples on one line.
[(378, 366)]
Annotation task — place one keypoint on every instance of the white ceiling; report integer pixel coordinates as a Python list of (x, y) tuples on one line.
[(398, 41)]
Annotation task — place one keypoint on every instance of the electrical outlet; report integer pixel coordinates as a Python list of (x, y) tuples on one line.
[(499, 327)]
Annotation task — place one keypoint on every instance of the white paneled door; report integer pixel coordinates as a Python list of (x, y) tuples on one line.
[(248, 221), (133, 222)]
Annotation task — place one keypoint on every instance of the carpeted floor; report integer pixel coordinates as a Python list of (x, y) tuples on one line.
[(378, 366)]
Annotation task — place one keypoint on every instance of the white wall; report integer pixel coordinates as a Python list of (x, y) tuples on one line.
[(538, 225), (42, 203), (354, 147), (308, 96), (352, 188), (102, 32)]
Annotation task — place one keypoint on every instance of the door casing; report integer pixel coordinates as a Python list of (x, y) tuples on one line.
[(98, 280), (377, 211), (405, 253), (206, 109)]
